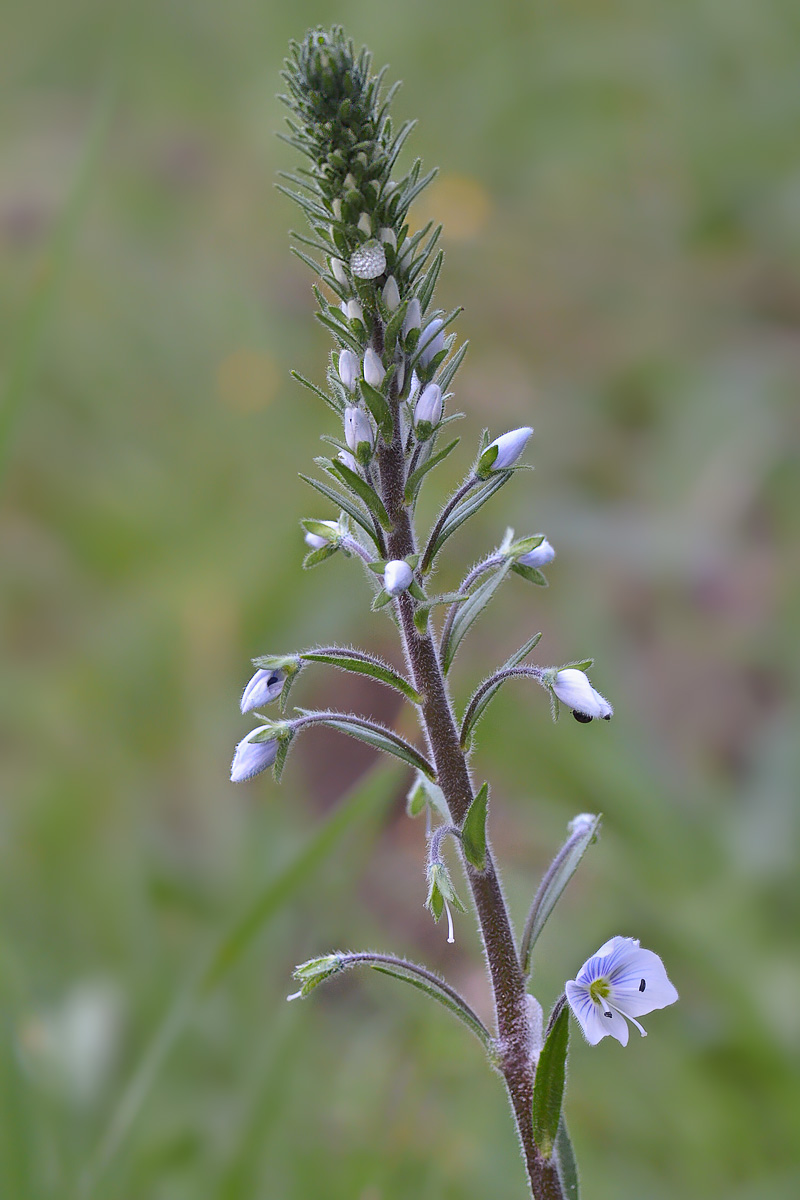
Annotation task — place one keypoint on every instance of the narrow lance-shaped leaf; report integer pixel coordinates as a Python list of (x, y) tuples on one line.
[(549, 1083), (557, 876), (473, 831), (343, 502), (476, 709), (361, 664), (364, 492), (374, 735), (469, 612), (318, 970), (415, 479), (567, 1164), (466, 509)]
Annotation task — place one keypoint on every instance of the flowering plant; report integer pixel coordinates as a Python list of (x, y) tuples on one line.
[(387, 384)]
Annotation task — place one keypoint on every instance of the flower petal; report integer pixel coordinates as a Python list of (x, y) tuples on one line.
[(595, 1022), (639, 984)]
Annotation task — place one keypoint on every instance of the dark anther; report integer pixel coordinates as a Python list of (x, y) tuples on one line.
[(608, 1014), (641, 986), (584, 718)]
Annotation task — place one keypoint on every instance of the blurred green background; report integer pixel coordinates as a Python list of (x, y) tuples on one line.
[(620, 186)]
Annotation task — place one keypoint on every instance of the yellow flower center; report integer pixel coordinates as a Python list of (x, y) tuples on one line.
[(599, 989)]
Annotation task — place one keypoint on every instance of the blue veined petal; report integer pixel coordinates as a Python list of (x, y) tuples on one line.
[(596, 1021), (641, 984)]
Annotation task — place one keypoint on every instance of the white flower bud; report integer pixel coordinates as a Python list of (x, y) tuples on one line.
[(348, 368), (389, 236), (573, 689), (397, 576), (540, 556), (337, 208), (354, 311), (339, 273), (347, 459), (357, 430), (509, 448), (413, 317), (391, 294), (431, 341), (350, 181), (428, 409), (264, 687), (364, 224), (374, 370), (315, 541), (400, 374), (251, 758)]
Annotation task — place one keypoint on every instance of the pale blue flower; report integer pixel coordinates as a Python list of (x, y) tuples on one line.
[(620, 981), (264, 687), (540, 556), (509, 448), (251, 758), (431, 341)]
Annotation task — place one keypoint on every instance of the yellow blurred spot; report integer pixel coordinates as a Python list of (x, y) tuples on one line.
[(247, 380), (460, 202)]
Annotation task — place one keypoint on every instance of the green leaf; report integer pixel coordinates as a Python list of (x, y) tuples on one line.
[(473, 831), (378, 405), (360, 664), (377, 736), (532, 574), (426, 288), (416, 477), (469, 612), (315, 557), (364, 491), (381, 599), (343, 502), (474, 714), (549, 1083), (558, 875), (448, 371), (567, 1164), (423, 611), (467, 508), (339, 331)]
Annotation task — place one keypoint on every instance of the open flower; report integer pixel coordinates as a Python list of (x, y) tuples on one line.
[(621, 980), (573, 689), (264, 687), (251, 758)]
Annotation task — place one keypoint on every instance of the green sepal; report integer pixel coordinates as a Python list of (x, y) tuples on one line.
[(378, 405), (549, 1083), (584, 665), (364, 666), (284, 745), (343, 502), (272, 730), (315, 557), (363, 491), (310, 974), (469, 612), (415, 479), (515, 549), (417, 592), (473, 831), (440, 888), (425, 792), (485, 700), (532, 574), (484, 468), (381, 600)]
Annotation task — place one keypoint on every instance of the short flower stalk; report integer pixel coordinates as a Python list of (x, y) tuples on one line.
[(395, 358)]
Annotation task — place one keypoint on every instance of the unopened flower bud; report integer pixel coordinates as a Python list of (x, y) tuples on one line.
[(337, 208), (540, 556), (358, 433), (353, 311), (339, 273), (400, 374), (389, 236), (431, 341), (397, 576), (573, 689), (251, 758), (350, 181), (315, 541), (374, 370), (364, 224), (348, 369), (264, 687), (391, 294), (504, 451), (413, 317), (428, 410), (348, 460)]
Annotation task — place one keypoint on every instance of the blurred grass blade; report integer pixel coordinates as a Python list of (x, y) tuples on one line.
[(23, 358), (366, 797)]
